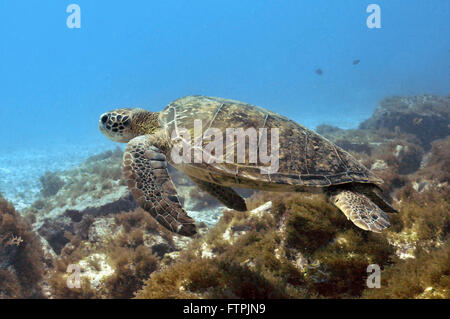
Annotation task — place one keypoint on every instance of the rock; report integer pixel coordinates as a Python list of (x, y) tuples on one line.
[(425, 116), (86, 195), (233, 232), (54, 232), (261, 210), (161, 249), (55, 225), (96, 269), (420, 186), (118, 201), (51, 184), (206, 252), (379, 164), (102, 228), (359, 141), (409, 157)]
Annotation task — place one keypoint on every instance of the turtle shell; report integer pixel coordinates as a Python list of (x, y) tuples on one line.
[(305, 157)]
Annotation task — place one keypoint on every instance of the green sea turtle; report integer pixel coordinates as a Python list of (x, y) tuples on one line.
[(307, 162)]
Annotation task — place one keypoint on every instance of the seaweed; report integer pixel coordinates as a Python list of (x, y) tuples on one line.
[(21, 256), (277, 251), (124, 250), (336, 253), (426, 276), (437, 164), (51, 184), (206, 278), (425, 214)]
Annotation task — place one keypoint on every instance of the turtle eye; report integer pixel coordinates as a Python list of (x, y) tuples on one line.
[(104, 118)]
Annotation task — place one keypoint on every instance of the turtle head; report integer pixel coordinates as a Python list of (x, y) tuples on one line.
[(122, 125)]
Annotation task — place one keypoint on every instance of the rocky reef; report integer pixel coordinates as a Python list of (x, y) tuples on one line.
[(300, 246), (87, 217), (424, 116), (286, 246)]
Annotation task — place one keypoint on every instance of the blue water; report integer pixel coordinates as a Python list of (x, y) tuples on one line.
[(56, 81)]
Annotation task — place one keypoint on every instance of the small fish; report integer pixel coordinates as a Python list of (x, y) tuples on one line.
[(417, 121), (319, 71), (355, 62)]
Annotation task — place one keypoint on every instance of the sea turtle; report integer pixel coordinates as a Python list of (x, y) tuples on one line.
[(307, 162)]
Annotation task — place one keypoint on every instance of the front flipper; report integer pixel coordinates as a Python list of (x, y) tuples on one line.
[(225, 195), (145, 171), (361, 210)]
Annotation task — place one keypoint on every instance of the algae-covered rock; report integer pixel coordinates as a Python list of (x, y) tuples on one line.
[(300, 246), (51, 184), (92, 189), (116, 253), (425, 116), (425, 277), (435, 166), (277, 250)]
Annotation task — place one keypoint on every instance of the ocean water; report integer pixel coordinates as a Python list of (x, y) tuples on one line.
[(64, 63), (55, 81)]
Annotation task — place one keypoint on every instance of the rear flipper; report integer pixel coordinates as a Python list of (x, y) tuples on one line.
[(360, 210), (376, 195)]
